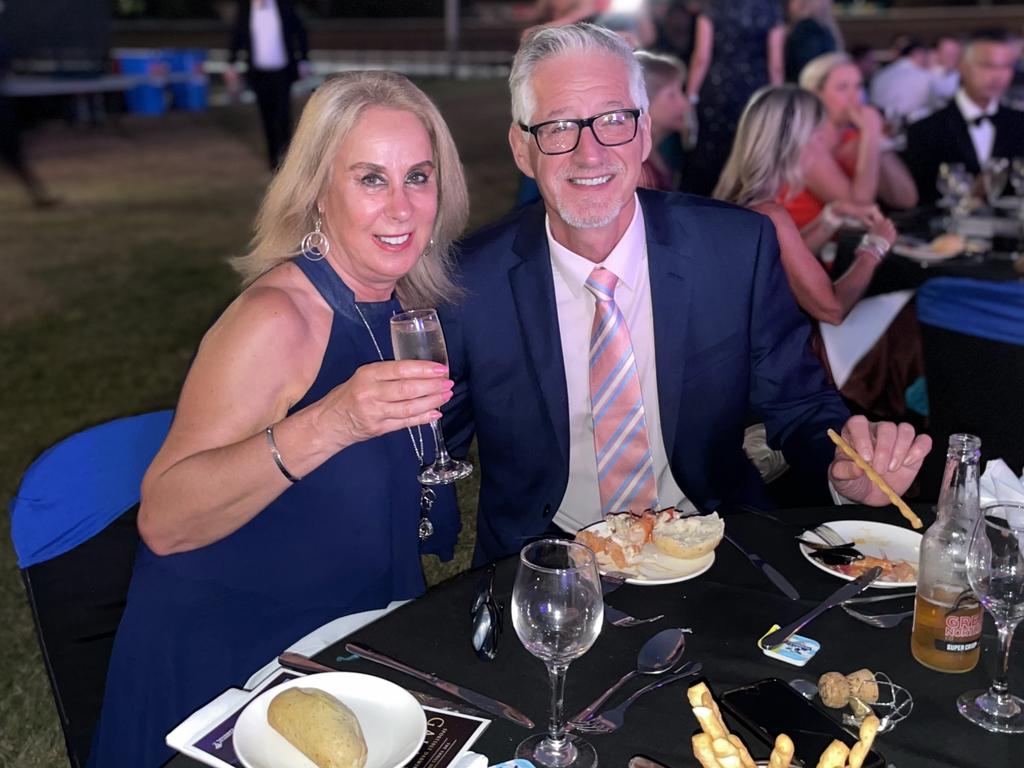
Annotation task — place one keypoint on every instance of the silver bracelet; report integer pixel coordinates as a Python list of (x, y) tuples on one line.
[(876, 245), (277, 455)]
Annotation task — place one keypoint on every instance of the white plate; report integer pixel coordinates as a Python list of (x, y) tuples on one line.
[(393, 722), (878, 540), (922, 253), (654, 566)]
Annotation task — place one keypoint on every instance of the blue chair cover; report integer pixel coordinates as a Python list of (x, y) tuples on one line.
[(980, 308), (80, 485)]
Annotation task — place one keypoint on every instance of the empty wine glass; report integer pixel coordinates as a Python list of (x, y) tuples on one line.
[(995, 570), (417, 335), (995, 174), (557, 612), (959, 183), (1017, 176)]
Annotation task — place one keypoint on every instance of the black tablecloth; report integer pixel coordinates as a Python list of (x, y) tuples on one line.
[(728, 608)]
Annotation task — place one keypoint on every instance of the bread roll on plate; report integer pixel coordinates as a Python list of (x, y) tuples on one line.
[(319, 726), (948, 245), (689, 537)]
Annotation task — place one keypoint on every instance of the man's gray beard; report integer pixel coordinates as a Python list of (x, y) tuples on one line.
[(585, 222)]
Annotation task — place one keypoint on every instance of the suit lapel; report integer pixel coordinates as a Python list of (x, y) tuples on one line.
[(669, 247), (533, 291), (962, 137)]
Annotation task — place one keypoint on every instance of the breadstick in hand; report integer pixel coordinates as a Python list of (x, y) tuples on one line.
[(703, 751), (745, 758), (782, 752), (876, 478)]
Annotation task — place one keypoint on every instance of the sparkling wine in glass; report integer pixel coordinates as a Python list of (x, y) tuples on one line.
[(995, 570), (417, 335), (557, 612)]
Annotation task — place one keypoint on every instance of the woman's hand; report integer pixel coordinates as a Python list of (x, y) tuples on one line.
[(867, 120), (867, 214), (884, 229), (382, 397)]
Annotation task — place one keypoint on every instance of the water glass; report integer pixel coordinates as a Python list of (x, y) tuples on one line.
[(995, 570), (557, 612)]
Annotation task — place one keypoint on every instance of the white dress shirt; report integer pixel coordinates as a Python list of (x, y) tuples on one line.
[(581, 504), (984, 135), (268, 51), (903, 89)]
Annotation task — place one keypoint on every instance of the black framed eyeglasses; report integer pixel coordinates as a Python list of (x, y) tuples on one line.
[(611, 129), (487, 618)]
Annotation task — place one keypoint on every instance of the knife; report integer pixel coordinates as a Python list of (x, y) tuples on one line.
[(486, 703), (300, 663), (845, 592), (773, 575)]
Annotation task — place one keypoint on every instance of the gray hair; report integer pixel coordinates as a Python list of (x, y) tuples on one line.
[(816, 71), (289, 209), (775, 127), (548, 42)]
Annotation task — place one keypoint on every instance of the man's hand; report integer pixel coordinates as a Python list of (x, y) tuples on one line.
[(894, 451)]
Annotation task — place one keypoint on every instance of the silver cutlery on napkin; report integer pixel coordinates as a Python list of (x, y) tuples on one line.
[(779, 636), (486, 703)]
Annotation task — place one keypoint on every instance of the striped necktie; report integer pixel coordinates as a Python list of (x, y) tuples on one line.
[(625, 468)]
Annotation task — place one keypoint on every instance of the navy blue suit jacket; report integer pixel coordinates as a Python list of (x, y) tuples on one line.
[(729, 343)]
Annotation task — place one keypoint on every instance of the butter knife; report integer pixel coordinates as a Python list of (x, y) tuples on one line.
[(776, 578), (486, 703), (300, 663), (845, 592)]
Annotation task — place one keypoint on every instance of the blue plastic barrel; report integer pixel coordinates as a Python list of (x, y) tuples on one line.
[(189, 82), (147, 98)]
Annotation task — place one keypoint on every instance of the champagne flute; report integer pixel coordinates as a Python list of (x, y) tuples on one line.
[(995, 570), (557, 612), (417, 335), (995, 175)]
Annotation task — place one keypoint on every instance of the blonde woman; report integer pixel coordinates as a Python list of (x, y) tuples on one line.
[(812, 32), (768, 157), (848, 160), (286, 493)]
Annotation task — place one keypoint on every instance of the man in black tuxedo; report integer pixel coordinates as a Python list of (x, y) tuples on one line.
[(274, 38), (973, 127)]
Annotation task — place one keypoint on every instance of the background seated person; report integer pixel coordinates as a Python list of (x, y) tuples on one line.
[(974, 127), (766, 156), (255, 535), (673, 120), (848, 162)]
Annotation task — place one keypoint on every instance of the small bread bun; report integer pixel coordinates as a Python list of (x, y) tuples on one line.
[(689, 537), (947, 244), (318, 725)]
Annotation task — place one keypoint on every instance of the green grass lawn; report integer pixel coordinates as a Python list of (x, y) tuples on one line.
[(105, 298)]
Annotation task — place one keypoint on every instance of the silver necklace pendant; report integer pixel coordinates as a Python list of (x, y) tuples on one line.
[(426, 528)]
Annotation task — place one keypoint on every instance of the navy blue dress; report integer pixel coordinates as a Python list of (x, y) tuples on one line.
[(342, 540)]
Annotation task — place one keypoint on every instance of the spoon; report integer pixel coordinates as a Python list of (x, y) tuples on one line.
[(658, 654)]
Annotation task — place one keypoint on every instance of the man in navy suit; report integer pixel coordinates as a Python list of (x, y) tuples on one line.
[(715, 332), (973, 127)]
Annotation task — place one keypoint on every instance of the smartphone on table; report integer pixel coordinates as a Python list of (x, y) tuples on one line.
[(771, 706)]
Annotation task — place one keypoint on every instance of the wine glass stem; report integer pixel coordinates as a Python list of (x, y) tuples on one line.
[(556, 728), (1000, 687), (441, 457)]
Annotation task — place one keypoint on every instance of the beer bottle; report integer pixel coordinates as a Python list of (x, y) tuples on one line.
[(947, 614)]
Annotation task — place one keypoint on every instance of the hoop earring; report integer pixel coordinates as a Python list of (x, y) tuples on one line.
[(315, 245)]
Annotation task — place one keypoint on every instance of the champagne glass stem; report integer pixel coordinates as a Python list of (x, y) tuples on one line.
[(441, 457), (556, 727)]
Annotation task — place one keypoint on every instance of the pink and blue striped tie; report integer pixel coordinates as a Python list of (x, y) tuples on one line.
[(625, 468)]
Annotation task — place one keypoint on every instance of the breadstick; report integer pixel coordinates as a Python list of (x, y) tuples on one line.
[(745, 758), (695, 694), (709, 724), (875, 478), (834, 755), (782, 752), (709, 701), (703, 751), (868, 729)]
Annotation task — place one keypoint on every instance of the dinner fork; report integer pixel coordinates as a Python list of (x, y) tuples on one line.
[(881, 620), (619, 618), (611, 720)]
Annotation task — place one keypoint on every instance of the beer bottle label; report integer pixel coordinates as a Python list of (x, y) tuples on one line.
[(962, 626)]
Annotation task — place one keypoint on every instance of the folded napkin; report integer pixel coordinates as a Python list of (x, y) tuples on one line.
[(1000, 483)]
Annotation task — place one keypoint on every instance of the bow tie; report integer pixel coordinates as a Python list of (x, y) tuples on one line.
[(981, 119)]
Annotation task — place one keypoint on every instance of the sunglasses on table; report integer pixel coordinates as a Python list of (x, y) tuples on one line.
[(486, 616)]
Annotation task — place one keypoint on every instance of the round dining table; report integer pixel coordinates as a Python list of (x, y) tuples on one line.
[(728, 608)]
